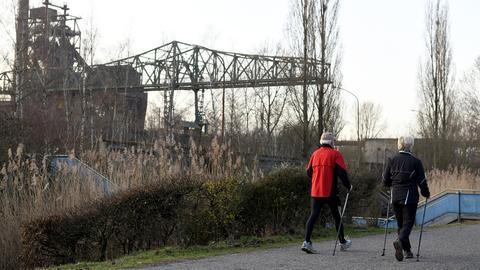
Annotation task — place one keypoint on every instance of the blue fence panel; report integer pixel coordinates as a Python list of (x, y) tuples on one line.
[(470, 204), (83, 171), (392, 223), (452, 203), (379, 222), (445, 208), (438, 207)]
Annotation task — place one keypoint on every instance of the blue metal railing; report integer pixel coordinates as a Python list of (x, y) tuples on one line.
[(443, 208), (378, 222), (84, 171), (450, 205)]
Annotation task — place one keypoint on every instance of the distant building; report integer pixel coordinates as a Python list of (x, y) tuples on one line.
[(374, 153)]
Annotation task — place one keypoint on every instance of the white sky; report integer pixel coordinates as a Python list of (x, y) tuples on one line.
[(382, 39)]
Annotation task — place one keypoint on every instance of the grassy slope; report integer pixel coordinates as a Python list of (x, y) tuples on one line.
[(247, 244)]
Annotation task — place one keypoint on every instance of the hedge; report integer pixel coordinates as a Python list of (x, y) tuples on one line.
[(130, 221), (180, 211)]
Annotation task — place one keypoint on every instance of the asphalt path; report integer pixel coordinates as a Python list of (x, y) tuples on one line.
[(452, 247)]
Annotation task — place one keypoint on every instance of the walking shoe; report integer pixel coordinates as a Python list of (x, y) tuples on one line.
[(308, 247), (347, 244), (398, 250), (408, 254)]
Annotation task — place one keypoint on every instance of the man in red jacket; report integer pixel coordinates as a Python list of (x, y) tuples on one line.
[(325, 166)]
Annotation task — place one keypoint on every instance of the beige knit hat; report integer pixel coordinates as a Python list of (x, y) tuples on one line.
[(327, 138)]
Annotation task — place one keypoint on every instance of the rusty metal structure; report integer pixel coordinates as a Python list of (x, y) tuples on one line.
[(180, 66), (6, 91), (55, 64), (48, 56)]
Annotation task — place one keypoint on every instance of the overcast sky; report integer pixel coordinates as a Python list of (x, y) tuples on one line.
[(382, 40)]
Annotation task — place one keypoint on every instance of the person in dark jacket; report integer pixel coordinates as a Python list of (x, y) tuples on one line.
[(404, 173), (326, 164)]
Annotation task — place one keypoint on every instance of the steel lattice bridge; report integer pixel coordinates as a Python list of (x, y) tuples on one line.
[(6, 83), (181, 66)]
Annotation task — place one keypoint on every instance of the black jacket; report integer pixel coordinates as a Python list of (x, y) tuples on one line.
[(404, 173)]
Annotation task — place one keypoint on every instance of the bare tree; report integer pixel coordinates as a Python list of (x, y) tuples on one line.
[(90, 41), (8, 13), (272, 104), (249, 104), (301, 33), (317, 38), (234, 116), (213, 111), (471, 101), (122, 50), (326, 36), (436, 80), (371, 123), (469, 108)]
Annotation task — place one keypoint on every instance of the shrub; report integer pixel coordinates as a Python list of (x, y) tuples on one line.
[(278, 203), (180, 211), (212, 214), (130, 221), (54, 240), (223, 204), (363, 200)]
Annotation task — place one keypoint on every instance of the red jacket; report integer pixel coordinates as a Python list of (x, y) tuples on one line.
[(326, 164)]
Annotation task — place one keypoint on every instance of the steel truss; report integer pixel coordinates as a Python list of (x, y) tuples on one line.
[(6, 83), (181, 66)]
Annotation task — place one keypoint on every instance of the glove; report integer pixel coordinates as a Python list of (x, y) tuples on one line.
[(425, 193), (350, 189)]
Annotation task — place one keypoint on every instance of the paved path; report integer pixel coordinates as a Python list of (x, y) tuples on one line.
[(456, 247)]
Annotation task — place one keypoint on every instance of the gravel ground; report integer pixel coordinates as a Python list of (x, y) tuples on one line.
[(455, 247)]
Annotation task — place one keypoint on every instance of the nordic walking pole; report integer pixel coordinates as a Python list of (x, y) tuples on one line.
[(421, 228), (340, 225), (386, 223)]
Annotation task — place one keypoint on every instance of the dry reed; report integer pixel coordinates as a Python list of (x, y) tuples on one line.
[(456, 178), (27, 191)]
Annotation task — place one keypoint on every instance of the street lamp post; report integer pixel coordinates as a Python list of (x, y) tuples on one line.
[(358, 110)]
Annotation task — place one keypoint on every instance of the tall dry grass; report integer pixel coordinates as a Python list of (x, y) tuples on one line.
[(27, 191), (462, 178), (138, 167)]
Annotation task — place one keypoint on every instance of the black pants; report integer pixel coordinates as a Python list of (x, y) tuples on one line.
[(317, 204), (405, 215)]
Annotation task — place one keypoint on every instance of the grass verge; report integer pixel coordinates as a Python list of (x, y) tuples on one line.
[(244, 244)]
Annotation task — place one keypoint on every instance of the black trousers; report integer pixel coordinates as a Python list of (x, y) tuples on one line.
[(405, 215), (317, 204)]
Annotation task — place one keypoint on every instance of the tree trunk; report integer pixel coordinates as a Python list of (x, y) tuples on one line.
[(305, 87)]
